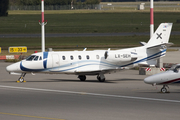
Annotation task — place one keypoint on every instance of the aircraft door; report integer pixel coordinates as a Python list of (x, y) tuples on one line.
[(55, 62)]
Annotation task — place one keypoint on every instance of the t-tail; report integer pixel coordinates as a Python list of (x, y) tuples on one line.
[(161, 36), (158, 43)]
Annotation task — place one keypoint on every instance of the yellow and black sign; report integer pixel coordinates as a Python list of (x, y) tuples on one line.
[(17, 49), (0, 49)]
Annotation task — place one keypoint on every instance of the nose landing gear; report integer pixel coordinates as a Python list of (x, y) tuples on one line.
[(21, 79), (164, 89)]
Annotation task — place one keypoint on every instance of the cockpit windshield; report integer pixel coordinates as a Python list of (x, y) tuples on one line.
[(33, 57), (175, 68), (30, 58), (172, 68), (36, 58)]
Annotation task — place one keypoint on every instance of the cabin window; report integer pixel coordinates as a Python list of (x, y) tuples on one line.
[(97, 56), (71, 57), (30, 58), (40, 58), (87, 56), (79, 57), (63, 57), (36, 58)]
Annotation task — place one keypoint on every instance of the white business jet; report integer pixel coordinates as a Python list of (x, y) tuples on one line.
[(170, 77), (97, 62)]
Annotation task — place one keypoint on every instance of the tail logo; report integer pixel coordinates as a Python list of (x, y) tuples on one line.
[(159, 36)]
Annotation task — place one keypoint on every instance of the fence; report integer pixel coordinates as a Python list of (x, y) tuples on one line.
[(106, 6), (54, 7)]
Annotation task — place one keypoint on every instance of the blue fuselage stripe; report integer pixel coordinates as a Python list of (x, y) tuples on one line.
[(45, 55)]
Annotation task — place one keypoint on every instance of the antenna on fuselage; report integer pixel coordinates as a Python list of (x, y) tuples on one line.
[(42, 23)]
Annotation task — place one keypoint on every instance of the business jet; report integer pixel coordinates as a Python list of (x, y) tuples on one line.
[(96, 62), (170, 77)]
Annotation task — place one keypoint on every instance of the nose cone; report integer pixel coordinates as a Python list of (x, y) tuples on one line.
[(148, 80), (13, 67), (154, 79)]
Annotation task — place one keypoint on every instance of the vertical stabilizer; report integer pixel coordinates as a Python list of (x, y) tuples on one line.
[(161, 36)]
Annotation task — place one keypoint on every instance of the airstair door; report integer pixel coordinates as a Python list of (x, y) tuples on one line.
[(55, 62)]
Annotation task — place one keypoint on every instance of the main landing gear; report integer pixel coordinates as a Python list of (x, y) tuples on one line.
[(82, 77), (100, 77), (164, 89), (21, 79)]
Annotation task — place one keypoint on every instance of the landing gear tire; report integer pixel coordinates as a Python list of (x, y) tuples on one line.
[(21, 79), (163, 90), (82, 77), (100, 79)]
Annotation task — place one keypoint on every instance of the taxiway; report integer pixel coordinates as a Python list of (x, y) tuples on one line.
[(63, 97)]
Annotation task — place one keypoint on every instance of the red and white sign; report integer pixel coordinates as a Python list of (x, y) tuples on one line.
[(148, 69), (9, 57), (162, 69)]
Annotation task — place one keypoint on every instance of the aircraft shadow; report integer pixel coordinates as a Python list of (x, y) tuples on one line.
[(58, 80), (159, 92), (95, 81), (126, 79), (70, 80)]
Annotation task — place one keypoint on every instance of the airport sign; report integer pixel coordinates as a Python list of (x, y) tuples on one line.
[(20, 49)]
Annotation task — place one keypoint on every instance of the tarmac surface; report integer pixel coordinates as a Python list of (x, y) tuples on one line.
[(124, 96)]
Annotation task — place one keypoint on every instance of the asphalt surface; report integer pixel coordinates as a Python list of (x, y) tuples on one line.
[(172, 57), (78, 34), (123, 96)]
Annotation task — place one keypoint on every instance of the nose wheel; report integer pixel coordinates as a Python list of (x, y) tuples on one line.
[(164, 89), (21, 79)]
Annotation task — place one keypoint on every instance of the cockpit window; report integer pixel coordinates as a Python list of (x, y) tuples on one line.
[(30, 58), (175, 68), (40, 58), (36, 58), (172, 68)]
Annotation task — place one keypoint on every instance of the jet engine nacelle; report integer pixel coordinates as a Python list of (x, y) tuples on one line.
[(117, 56)]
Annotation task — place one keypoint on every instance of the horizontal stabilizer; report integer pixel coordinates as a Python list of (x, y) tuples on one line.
[(143, 43), (161, 46)]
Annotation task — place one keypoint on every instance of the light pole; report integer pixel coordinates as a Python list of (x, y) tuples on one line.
[(42, 23)]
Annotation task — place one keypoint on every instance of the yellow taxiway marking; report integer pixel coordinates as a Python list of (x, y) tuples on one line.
[(30, 116)]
